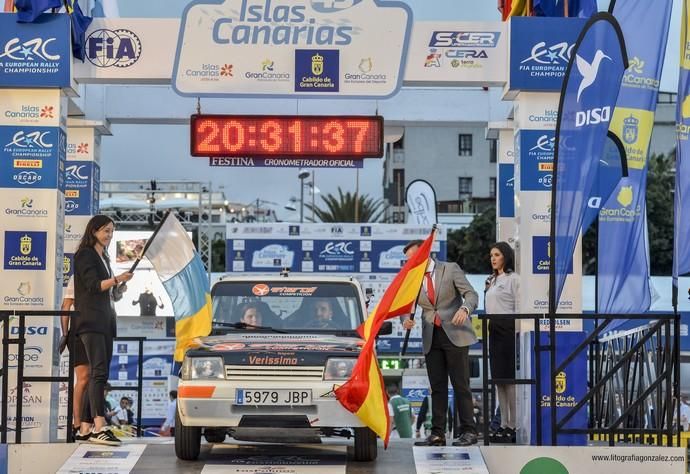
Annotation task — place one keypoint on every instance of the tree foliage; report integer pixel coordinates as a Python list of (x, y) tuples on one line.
[(341, 208), (470, 246)]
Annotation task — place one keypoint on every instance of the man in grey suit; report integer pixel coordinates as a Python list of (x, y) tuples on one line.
[(447, 300)]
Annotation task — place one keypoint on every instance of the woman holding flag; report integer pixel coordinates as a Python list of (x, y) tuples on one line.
[(95, 288)]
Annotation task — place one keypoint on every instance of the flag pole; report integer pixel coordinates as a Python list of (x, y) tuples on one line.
[(148, 242), (403, 350)]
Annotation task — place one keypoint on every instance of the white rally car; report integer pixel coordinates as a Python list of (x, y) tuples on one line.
[(280, 346)]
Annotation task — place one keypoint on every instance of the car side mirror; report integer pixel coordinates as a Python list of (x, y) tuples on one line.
[(386, 329)]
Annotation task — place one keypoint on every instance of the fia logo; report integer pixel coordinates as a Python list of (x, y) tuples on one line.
[(556, 54), (630, 129), (625, 196), (317, 64), (31, 50), (107, 48), (331, 6), (589, 71), (35, 139), (544, 143), (25, 245)]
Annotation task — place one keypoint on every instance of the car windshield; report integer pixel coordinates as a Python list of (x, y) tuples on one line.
[(290, 306)]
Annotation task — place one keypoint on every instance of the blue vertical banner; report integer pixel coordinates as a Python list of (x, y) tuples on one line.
[(588, 98), (623, 263), (681, 239)]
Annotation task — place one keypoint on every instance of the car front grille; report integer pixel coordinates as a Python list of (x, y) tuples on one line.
[(267, 372)]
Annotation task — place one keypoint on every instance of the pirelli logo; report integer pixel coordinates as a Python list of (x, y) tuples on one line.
[(546, 166), (72, 193), (28, 164)]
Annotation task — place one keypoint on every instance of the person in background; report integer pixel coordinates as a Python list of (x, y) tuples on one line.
[(110, 403), (323, 319), (447, 300), (81, 362), (168, 428), (121, 416), (501, 297), (95, 287), (148, 303), (400, 412)]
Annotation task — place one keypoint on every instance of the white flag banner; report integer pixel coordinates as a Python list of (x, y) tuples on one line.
[(421, 203)]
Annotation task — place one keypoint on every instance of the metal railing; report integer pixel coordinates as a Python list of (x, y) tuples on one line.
[(20, 342), (640, 368)]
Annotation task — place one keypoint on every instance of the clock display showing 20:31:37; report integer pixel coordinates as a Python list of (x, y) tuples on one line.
[(287, 136)]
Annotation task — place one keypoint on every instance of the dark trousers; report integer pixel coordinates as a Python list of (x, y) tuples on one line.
[(99, 351), (444, 360)]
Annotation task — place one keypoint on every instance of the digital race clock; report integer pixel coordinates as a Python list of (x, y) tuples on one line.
[(287, 136)]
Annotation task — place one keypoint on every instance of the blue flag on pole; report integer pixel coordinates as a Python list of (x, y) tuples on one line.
[(623, 248), (681, 217), (80, 23), (588, 97), (29, 10)]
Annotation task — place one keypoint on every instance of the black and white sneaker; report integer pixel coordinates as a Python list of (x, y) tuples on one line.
[(105, 436), (80, 438)]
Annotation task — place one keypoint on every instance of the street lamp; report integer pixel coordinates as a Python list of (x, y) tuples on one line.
[(303, 174)]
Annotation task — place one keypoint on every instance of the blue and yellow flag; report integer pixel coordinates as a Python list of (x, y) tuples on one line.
[(182, 272), (681, 217), (623, 262), (80, 23)]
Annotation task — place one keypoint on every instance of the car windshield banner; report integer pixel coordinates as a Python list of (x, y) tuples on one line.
[(588, 97)]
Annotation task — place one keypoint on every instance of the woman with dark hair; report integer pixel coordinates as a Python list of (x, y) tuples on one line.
[(95, 287), (251, 316), (501, 297)]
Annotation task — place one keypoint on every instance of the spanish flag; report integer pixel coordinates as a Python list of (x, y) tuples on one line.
[(519, 8), (364, 393)]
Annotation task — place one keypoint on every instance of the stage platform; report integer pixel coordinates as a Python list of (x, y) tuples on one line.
[(334, 456)]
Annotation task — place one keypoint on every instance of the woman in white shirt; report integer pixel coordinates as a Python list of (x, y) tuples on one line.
[(501, 297)]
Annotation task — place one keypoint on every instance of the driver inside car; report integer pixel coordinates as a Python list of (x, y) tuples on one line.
[(251, 316), (323, 317)]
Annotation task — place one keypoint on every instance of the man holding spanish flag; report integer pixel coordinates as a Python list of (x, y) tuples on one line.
[(364, 393), (447, 300)]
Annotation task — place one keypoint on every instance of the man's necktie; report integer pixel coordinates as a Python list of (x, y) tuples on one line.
[(431, 294)]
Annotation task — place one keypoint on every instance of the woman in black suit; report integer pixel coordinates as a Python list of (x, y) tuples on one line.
[(94, 289)]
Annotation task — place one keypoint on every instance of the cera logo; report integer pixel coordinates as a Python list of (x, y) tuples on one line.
[(36, 139), (35, 49), (331, 6), (593, 116), (108, 48), (464, 39)]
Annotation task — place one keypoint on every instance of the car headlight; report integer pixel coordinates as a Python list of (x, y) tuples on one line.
[(339, 369), (203, 368)]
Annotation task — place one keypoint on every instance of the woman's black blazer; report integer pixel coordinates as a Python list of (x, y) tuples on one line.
[(96, 313)]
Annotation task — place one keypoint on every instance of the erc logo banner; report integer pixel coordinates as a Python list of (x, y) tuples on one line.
[(292, 48), (35, 54)]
